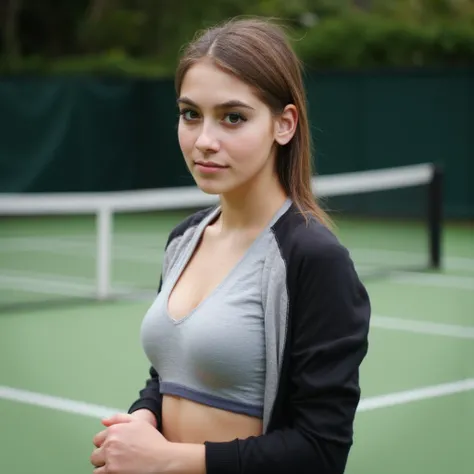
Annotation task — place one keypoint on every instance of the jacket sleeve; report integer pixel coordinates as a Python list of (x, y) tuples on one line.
[(327, 340), (150, 397)]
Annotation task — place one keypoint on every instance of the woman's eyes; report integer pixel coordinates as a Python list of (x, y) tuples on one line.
[(188, 114), (235, 118), (231, 118)]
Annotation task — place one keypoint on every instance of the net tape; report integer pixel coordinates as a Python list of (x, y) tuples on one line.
[(180, 197)]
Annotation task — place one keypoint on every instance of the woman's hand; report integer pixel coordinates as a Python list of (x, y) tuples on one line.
[(130, 445), (145, 415)]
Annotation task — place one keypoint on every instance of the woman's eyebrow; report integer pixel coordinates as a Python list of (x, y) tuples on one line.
[(224, 105)]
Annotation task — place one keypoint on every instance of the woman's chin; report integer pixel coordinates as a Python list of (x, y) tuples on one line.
[(211, 188)]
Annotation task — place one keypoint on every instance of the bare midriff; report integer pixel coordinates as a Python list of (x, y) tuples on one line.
[(185, 421)]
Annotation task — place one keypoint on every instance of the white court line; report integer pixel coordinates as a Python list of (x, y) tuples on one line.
[(126, 253), (408, 396), (56, 403), (42, 282), (36, 282), (432, 280), (98, 411), (48, 284), (437, 280), (422, 327), (395, 256), (156, 241), (43, 286), (76, 249)]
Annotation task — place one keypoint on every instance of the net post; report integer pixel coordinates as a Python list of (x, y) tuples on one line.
[(103, 260), (435, 216)]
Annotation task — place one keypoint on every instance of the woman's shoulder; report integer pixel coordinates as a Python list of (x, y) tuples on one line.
[(319, 269), (188, 224), (181, 234), (302, 237)]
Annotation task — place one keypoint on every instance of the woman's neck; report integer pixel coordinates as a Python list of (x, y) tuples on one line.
[(251, 208)]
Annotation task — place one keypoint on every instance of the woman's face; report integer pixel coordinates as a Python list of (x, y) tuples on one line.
[(226, 133)]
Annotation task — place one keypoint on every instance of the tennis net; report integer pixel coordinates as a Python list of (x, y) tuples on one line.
[(98, 246)]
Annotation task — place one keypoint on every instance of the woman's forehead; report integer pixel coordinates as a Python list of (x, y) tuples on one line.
[(207, 85)]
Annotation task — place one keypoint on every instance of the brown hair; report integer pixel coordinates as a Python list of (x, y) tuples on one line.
[(258, 53)]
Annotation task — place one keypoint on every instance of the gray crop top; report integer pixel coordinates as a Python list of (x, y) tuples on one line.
[(215, 355)]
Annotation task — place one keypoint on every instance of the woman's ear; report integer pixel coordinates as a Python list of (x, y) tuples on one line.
[(285, 125)]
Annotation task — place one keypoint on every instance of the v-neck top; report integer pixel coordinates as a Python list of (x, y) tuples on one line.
[(316, 316), (214, 355)]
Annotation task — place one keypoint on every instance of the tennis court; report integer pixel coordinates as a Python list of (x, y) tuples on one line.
[(67, 359)]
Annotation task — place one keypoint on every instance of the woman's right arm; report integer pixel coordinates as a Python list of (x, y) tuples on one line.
[(146, 415), (148, 405)]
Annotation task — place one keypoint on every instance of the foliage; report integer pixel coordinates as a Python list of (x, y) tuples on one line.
[(372, 40), (143, 37)]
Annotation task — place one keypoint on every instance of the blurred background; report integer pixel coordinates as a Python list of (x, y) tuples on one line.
[(92, 181)]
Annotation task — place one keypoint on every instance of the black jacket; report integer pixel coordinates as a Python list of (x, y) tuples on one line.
[(324, 341)]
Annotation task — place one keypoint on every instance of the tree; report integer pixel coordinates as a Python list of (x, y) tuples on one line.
[(10, 17)]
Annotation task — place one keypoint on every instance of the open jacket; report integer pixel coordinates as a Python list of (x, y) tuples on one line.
[(316, 315)]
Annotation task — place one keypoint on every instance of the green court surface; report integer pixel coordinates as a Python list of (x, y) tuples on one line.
[(65, 359)]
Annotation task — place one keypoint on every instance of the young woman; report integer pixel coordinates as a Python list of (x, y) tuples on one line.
[(261, 323)]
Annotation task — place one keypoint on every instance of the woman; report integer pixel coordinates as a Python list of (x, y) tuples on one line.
[(261, 323)]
